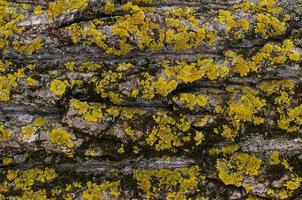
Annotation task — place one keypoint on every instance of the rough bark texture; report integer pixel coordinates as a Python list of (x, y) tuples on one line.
[(150, 99)]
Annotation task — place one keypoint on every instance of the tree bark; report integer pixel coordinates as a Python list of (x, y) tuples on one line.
[(113, 90)]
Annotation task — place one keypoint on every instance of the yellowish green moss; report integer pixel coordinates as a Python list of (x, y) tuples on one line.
[(61, 137)]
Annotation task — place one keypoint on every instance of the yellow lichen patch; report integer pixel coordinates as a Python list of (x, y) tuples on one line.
[(38, 10), (7, 161), (289, 187), (189, 73), (290, 120), (234, 170), (31, 82), (244, 109), (60, 7), (131, 133), (237, 26), (163, 87), (240, 65), (109, 7), (121, 150), (202, 121), (70, 65), (191, 100), (294, 56), (35, 45), (97, 191), (8, 23), (274, 158), (88, 66), (91, 112), (38, 121), (26, 132), (107, 85), (173, 183), (25, 179), (4, 133), (283, 99), (273, 86), (269, 54), (4, 65), (199, 137), (169, 133), (58, 87), (268, 25), (226, 150), (61, 137), (31, 194), (268, 6), (7, 83)]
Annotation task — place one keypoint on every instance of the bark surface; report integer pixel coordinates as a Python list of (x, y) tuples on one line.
[(150, 99)]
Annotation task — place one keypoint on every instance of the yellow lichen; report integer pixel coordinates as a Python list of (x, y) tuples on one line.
[(38, 10), (274, 158), (61, 137), (109, 7), (174, 183), (4, 133), (58, 87), (96, 191), (191, 100), (31, 82), (60, 7), (234, 170), (38, 121), (26, 132), (7, 161), (91, 112), (268, 25), (25, 179), (35, 45)]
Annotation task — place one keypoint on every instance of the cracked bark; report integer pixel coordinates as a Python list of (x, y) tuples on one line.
[(106, 137)]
